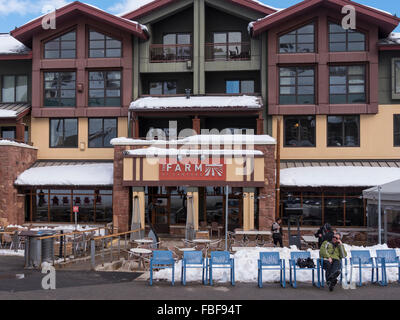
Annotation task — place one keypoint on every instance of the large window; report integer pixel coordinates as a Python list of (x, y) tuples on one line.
[(14, 88), (177, 46), (347, 84), (57, 205), (59, 89), (63, 47), (296, 85), (101, 131), (396, 126), (239, 86), (341, 40), (396, 79), (162, 87), (228, 46), (344, 131), (102, 46), (64, 133), (298, 41), (105, 88), (299, 131)]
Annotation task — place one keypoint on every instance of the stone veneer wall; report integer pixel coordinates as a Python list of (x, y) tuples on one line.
[(13, 161)]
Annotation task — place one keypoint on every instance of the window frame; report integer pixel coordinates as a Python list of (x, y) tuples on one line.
[(163, 82), (106, 34), (59, 35), (77, 133), (102, 118), (296, 85), (396, 115), (395, 95), (58, 88), (240, 86), (343, 130), (227, 45), (297, 27), (15, 87), (347, 66), (105, 88), (364, 32), (298, 118), (179, 58)]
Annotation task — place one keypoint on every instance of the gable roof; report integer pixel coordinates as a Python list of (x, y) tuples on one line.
[(386, 22), (24, 33), (158, 4)]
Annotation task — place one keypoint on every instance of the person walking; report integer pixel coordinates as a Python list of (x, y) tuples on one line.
[(332, 252), (277, 233)]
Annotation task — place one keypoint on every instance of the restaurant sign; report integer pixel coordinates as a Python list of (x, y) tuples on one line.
[(200, 171)]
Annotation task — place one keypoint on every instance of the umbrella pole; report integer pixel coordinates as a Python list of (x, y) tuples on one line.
[(379, 215)]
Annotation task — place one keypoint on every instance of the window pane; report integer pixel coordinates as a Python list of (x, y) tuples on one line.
[(397, 130), (233, 86), (299, 131), (184, 39), (71, 133), (56, 133), (169, 39), (8, 133), (306, 29), (397, 75), (8, 93), (170, 87), (356, 36), (22, 89), (247, 86), (235, 37), (95, 133), (96, 36), (351, 131), (110, 131), (156, 88)]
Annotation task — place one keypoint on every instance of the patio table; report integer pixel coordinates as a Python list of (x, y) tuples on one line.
[(203, 241), (142, 253)]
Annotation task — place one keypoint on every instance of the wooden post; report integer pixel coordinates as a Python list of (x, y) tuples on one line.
[(278, 166)]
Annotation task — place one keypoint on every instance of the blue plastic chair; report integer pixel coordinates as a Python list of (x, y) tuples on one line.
[(162, 260), (294, 256), (386, 259), (221, 260), (323, 273), (361, 259), (193, 259), (271, 261)]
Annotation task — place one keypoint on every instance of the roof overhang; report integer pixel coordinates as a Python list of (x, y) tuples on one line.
[(386, 22), (25, 33), (159, 4), (27, 56), (13, 111)]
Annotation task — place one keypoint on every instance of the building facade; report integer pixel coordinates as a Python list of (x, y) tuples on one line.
[(174, 69)]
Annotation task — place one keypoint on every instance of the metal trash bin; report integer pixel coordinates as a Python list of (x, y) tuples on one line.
[(36, 250)]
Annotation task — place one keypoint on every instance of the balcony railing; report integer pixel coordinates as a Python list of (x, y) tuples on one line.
[(227, 51), (170, 52)]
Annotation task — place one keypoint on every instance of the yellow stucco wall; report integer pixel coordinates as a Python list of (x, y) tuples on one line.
[(40, 133), (376, 139)]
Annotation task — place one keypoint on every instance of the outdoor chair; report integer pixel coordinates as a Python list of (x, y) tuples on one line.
[(271, 261), (294, 256), (191, 260), (162, 260), (323, 273), (387, 259), (221, 260), (361, 259)]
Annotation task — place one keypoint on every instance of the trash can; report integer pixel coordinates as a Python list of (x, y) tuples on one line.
[(36, 250)]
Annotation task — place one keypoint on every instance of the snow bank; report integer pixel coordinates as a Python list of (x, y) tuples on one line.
[(66, 228), (7, 252), (338, 176), (100, 174), (246, 267)]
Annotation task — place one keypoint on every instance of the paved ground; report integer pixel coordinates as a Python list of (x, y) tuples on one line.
[(82, 284)]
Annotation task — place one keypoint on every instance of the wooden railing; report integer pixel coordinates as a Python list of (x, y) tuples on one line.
[(170, 52), (234, 51)]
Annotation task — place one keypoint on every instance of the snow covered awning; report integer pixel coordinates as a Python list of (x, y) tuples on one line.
[(197, 103), (76, 175), (338, 176)]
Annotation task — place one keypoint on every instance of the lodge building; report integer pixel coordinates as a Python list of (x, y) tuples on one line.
[(158, 110)]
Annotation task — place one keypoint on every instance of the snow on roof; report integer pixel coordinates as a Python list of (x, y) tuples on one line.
[(156, 152), (8, 113), (393, 38), (14, 144), (338, 176), (204, 139), (10, 45), (99, 174), (196, 102)]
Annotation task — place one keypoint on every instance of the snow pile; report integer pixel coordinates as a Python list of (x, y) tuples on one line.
[(100, 174), (339, 176), (66, 228), (197, 102), (14, 144), (246, 267), (10, 45), (7, 113), (7, 252)]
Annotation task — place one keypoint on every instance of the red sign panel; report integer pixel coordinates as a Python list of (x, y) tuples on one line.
[(200, 171), (76, 209)]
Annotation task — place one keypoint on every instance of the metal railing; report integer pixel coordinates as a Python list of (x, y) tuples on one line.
[(234, 51), (170, 52)]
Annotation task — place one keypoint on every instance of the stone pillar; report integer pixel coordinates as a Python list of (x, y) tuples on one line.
[(14, 159)]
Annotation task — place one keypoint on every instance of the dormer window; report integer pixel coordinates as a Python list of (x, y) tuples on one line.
[(63, 47), (102, 46), (342, 40), (301, 40)]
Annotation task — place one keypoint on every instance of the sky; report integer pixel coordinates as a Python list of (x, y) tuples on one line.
[(15, 13)]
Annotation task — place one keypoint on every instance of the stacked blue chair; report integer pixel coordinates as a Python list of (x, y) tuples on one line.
[(193, 259), (387, 259), (162, 260), (361, 259), (294, 256), (271, 261), (221, 260)]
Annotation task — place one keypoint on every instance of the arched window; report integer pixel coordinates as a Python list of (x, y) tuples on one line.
[(301, 40)]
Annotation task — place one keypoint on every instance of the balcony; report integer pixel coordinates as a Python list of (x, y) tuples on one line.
[(233, 51), (164, 53)]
